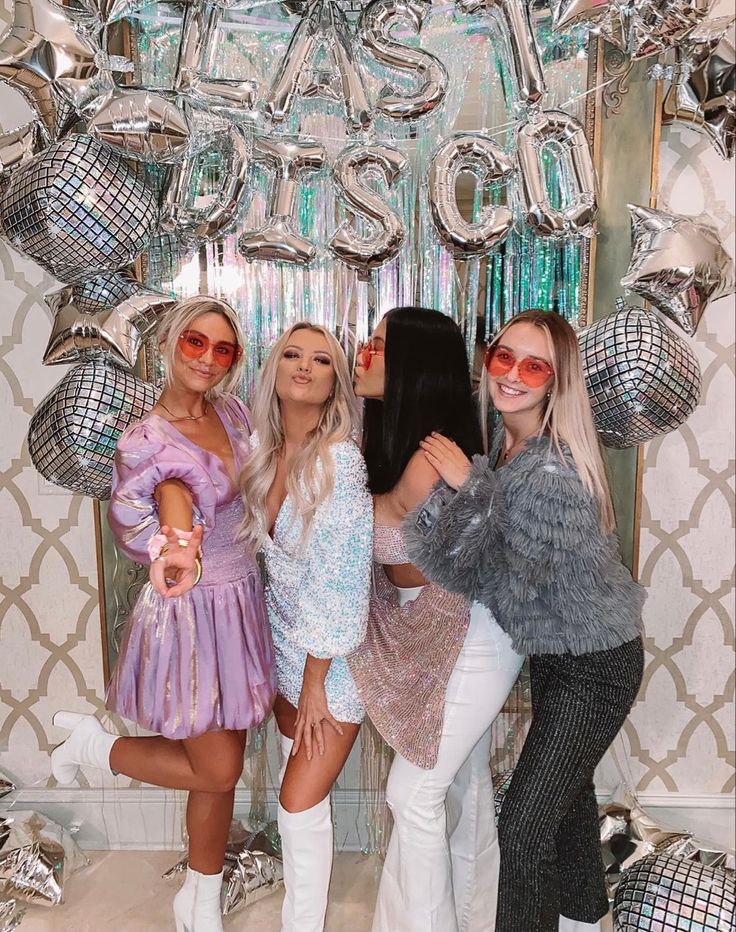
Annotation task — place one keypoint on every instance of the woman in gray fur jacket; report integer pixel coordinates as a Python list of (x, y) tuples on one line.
[(528, 531)]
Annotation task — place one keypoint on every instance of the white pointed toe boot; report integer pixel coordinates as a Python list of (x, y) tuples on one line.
[(197, 906), (306, 847), (88, 745)]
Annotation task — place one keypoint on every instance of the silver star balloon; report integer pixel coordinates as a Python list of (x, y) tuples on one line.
[(115, 334), (639, 27), (678, 263), (704, 92), (48, 57), (20, 145)]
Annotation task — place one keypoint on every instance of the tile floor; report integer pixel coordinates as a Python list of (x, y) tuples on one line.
[(123, 891)]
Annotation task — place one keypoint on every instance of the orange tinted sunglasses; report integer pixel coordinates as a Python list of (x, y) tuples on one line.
[(195, 344), (365, 353), (533, 372)]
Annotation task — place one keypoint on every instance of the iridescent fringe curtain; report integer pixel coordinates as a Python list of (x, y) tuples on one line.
[(479, 293)]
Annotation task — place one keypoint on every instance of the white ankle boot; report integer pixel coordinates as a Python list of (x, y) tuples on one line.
[(197, 905), (572, 925), (306, 847), (87, 745)]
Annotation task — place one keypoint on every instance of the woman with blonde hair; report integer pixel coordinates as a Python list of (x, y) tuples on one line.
[(196, 663), (307, 509), (527, 531)]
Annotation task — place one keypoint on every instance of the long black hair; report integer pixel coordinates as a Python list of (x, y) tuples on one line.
[(427, 388)]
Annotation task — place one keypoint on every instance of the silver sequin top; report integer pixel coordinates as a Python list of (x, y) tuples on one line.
[(317, 594)]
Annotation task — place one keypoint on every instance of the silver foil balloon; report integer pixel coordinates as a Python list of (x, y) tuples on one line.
[(20, 145), (141, 124), (278, 240), (6, 787), (252, 869), (703, 93), (629, 834), (37, 857), (501, 784), (115, 334), (374, 34), (643, 380), (324, 25), (201, 224), (580, 200), (653, 26), (11, 914), (665, 894), (78, 209), (381, 244), (98, 293), (678, 263), (513, 18), (73, 432), (47, 56), (639, 27), (468, 152)]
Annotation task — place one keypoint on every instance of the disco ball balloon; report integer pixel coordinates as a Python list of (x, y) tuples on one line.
[(72, 435), (78, 209), (666, 894), (643, 380)]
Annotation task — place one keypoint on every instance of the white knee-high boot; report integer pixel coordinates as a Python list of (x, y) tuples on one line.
[(573, 925), (285, 746), (306, 846), (197, 905), (87, 745)]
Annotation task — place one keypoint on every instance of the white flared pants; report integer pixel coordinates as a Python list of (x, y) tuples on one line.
[(441, 869)]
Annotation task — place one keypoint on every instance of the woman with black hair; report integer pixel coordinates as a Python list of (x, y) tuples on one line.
[(433, 672)]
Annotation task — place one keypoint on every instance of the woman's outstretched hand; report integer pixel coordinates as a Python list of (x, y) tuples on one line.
[(447, 458), (177, 564)]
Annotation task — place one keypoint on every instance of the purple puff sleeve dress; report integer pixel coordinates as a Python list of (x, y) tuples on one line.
[(204, 661)]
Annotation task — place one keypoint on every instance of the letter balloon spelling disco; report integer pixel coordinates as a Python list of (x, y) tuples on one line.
[(278, 240), (383, 244), (468, 152)]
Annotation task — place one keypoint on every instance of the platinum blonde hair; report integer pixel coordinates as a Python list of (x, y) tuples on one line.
[(568, 416), (310, 478), (181, 317)]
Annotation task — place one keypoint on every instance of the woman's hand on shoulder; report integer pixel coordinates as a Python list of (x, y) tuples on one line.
[(446, 457)]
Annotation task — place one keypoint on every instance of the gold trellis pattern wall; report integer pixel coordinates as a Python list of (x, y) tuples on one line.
[(679, 737)]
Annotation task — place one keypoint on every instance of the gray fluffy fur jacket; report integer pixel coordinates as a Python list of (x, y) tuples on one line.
[(525, 541)]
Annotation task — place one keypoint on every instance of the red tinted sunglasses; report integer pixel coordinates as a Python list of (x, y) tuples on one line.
[(533, 372), (195, 344), (365, 353)]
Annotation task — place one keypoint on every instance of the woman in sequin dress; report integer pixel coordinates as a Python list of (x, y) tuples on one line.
[(434, 671), (196, 662), (309, 512)]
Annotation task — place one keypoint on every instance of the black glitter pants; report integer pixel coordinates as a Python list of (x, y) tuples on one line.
[(548, 828)]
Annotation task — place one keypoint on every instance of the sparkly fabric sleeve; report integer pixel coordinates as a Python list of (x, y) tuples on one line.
[(333, 604), (143, 459)]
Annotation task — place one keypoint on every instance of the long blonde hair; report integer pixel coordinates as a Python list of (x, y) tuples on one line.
[(310, 477), (568, 416), (180, 318)]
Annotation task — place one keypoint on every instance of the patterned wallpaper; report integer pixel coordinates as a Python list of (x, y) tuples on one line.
[(679, 737), (681, 734)]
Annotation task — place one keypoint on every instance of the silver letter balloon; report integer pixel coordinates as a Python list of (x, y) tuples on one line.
[(73, 433), (643, 380), (77, 209)]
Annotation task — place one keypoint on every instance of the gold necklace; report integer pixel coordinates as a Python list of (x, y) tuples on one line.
[(185, 417)]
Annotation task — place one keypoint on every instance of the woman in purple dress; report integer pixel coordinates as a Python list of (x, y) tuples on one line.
[(196, 664)]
